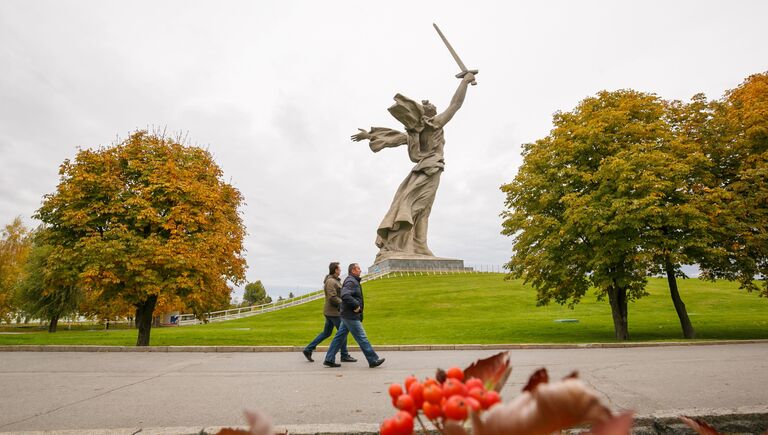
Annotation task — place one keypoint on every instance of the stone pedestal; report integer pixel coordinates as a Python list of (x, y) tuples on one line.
[(420, 263)]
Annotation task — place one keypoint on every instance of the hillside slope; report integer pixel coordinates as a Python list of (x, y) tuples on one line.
[(453, 309)]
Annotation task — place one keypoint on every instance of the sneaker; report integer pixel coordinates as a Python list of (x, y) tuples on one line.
[(376, 363), (308, 355), (347, 358), (331, 364)]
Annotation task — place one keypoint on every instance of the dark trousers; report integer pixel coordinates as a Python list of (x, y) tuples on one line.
[(330, 323)]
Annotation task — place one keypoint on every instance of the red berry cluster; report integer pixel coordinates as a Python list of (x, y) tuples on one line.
[(438, 401)]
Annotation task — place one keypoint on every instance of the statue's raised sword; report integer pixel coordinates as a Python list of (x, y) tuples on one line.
[(463, 67)]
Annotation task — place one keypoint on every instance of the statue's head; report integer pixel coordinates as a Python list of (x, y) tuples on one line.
[(429, 108)]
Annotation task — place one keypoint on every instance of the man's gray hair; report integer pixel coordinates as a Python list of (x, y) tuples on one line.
[(351, 266)]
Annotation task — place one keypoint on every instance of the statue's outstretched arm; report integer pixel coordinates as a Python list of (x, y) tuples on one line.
[(361, 135), (456, 101), (381, 138)]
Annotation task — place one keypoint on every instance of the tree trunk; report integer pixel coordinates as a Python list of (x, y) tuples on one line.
[(682, 314), (53, 323), (144, 319), (617, 296)]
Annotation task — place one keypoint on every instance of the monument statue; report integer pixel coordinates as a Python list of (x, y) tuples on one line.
[(402, 232)]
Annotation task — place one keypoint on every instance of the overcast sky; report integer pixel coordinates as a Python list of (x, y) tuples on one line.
[(275, 89)]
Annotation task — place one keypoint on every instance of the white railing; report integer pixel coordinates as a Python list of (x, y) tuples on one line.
[(237, 313), (471, 269)]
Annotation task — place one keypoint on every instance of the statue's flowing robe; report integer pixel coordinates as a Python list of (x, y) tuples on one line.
[(403, 229)]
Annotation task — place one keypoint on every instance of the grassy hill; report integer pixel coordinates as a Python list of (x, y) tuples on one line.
[(453, 309)]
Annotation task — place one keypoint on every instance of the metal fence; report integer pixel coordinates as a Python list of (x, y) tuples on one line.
[(469, 269), (237, 313)]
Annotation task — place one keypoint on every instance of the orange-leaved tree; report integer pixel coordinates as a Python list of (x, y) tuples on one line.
[(15, 243), (145, 220), (737, 146)]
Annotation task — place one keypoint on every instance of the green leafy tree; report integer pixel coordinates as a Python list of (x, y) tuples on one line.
[(255, 294), (736, 142), (147, 219), (671, 176), (48, 290), (15, 243), (598, 203)]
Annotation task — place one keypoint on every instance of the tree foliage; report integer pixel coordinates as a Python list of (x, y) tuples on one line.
[(147, 220), (15, 244), (627, 185), (736, 142), (48, 289), (255, 294), (603, 200)]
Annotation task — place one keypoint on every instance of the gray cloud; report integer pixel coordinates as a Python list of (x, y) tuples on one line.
[(274, 90)]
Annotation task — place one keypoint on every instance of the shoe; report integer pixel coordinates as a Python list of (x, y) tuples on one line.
[(308, 355), (376, 363), (331, 364), (347, 358)]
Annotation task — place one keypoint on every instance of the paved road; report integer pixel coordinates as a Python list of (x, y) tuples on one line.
[(60, 390)]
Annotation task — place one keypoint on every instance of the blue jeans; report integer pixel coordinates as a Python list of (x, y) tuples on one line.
[(330, 323), (354, 327)]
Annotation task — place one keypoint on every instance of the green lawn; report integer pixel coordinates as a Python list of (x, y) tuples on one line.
[(453, 309)]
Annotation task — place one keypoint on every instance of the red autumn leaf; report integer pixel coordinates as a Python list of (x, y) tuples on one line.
[(700, 426), (493, 371), (572, 375), (540, 376), (441, 376)]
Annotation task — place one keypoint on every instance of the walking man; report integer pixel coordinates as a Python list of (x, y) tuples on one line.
[(331, 311), (352, 321)]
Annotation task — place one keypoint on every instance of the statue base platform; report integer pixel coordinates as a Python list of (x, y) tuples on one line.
[(417, 263)]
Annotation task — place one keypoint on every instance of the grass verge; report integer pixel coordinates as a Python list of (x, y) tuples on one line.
[(465, 309)]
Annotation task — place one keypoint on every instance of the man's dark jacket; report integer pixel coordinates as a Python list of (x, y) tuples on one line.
[(351, 298)]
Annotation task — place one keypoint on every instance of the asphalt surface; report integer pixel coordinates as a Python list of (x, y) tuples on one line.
[(77, 391)]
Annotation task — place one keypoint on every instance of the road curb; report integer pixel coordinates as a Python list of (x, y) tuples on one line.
[(402, 348), (724, 420)]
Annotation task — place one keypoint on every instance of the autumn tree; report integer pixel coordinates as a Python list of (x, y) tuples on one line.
[(601, 202), (255, 294), (736, 143), (93, 306), (48, 289), (676, 229), (15, 244), (147, 219)]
